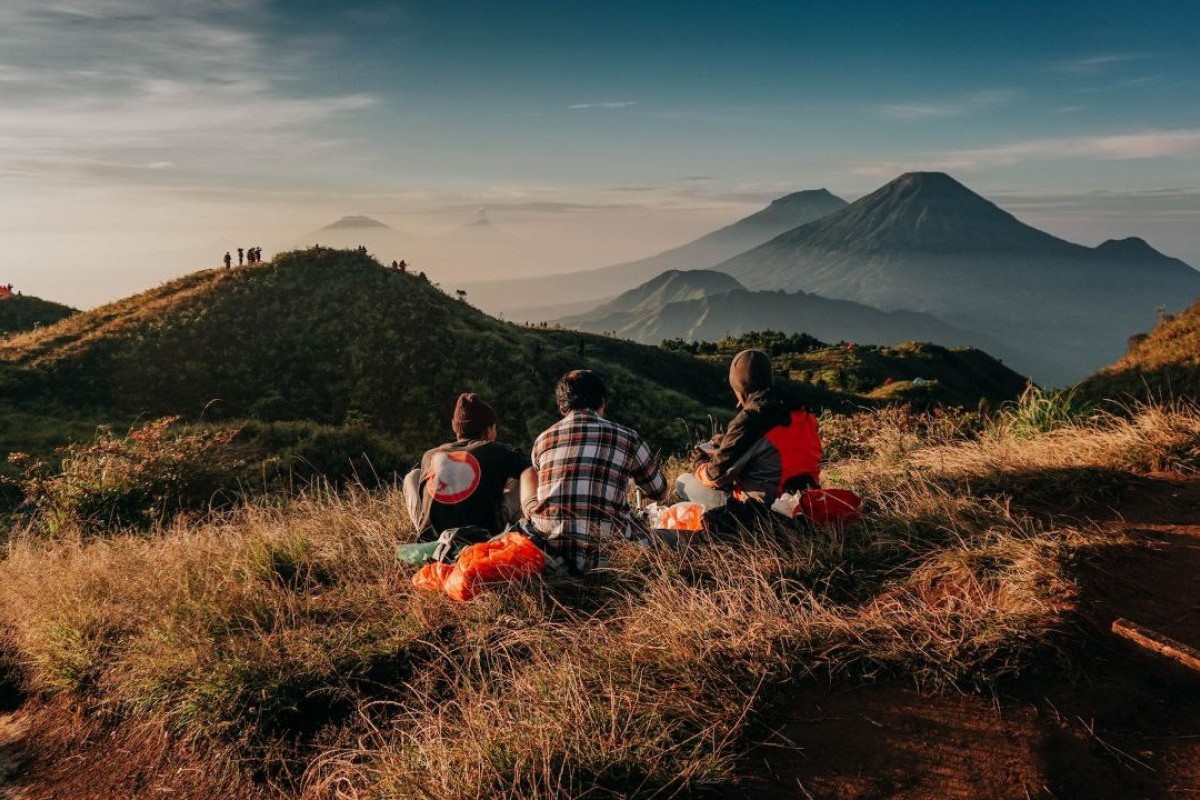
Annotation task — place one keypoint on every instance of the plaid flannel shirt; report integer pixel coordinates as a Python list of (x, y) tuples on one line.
[(584, 464)]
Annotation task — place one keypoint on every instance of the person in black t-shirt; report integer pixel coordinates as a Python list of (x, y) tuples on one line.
[(470, 481)]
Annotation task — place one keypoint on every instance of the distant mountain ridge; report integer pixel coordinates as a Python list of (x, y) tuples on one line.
[(781, 215), (355, 222), (925, 242), (703, 305)]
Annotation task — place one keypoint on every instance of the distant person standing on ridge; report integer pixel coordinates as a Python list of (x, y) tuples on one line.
[(577, 492), (228, 260), (241, 256), (771, 447), (470, 481)]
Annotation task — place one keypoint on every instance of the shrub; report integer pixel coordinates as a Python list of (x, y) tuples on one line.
[(149, 475)]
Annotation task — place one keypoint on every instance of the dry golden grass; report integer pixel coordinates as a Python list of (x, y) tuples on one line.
[(289, 636)]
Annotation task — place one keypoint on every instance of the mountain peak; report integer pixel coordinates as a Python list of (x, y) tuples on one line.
[(821, 195), (1131, 248), (355, 221)]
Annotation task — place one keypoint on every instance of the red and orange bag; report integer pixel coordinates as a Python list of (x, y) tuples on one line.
[(509, 558)]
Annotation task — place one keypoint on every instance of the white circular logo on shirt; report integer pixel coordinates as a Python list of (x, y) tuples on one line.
[(453, 476)]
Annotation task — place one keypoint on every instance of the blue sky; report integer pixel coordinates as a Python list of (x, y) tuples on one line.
[(138, 137)]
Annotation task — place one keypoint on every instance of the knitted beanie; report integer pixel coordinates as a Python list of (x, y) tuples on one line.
[(750, 372), (472, 416)]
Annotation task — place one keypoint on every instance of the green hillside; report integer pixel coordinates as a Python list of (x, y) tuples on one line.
[(331, 337), (19, 313), (1163, 364), (913, 373)]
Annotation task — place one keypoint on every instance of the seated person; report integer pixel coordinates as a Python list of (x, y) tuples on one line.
[(577, 492), (771, 446), (464, 482)]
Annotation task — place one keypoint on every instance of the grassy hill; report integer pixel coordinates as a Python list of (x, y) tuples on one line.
[(1162, 364), (332, 337), (20, 313)]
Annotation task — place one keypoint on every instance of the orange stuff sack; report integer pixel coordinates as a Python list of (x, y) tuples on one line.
[(830, 508), (512, 557), (432, 577), (682, 517)]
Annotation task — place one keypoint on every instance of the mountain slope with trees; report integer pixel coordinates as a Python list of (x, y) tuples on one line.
[(1161, 365)]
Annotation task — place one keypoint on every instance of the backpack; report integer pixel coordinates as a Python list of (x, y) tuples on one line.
[(454, 540)]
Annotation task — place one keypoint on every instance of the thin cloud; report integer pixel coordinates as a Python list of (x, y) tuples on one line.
[(1094, 64), (96, 90), (608, 104), (970, 104), (1119, 147)]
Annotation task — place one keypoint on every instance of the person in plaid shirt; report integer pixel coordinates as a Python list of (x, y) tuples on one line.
[(576, 494)]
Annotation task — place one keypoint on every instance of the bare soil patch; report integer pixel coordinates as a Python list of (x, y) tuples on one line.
[(1113, 722)]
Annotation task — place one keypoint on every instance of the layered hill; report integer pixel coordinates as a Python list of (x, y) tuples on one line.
[(924, 242), (21, 313), (703, 305), (596, 285), (913, 373), (1161, 365), (330, 336)]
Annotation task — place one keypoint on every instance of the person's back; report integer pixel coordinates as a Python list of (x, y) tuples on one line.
[(772, 446), (583, 465), (463, 483)]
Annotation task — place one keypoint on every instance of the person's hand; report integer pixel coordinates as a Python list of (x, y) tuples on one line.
[(702, 453)]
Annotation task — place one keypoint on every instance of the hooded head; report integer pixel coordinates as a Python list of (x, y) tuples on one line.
[(750, 372), (472, 417)]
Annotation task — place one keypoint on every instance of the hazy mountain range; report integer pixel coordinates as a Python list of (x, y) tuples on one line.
[(924, 242), (522, 299)]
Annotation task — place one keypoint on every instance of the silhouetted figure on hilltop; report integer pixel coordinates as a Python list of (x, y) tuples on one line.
[(228, 260), (242, 256), (395, 265)]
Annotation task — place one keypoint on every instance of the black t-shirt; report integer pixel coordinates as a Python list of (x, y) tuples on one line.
[(462, 483)]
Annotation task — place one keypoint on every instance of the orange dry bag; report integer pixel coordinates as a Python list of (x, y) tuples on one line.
[(432, 577), (509, 558)]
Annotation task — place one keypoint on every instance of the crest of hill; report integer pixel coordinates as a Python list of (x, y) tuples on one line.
[(925, 242), (22, 313), (781, 215), (329, 336), (1161, 365)]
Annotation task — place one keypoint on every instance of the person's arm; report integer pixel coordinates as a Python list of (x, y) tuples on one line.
[(647, 475), (518, 462), (529, 491), (722, 469)]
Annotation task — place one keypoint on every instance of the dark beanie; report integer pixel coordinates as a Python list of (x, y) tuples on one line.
[(750, 372), (472, 416)]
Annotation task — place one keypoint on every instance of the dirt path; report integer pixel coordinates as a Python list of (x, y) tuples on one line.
[(1120, 724)]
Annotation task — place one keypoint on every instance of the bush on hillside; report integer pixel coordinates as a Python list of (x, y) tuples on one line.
[(147, 476)]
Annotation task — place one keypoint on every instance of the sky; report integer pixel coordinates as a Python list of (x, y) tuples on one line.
[(141, 139)]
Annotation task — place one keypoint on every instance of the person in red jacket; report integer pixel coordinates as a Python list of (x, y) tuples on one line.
[(771, 447)]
